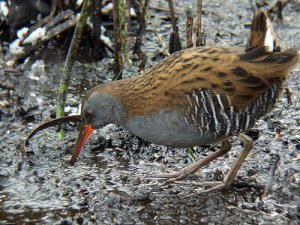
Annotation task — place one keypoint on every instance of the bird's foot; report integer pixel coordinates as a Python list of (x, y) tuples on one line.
[(176, 176), (172, 176), (228, 180)]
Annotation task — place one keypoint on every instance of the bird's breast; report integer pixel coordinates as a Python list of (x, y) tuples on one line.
[(170, 128)]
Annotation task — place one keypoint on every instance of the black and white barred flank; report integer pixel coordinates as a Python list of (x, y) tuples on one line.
[(212, 113)]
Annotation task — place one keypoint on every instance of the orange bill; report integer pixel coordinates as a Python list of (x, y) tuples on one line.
[(84, 134)]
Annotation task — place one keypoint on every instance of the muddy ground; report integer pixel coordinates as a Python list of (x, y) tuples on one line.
[(107, 185)]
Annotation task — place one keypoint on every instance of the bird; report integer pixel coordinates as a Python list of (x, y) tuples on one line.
[(197, 96)]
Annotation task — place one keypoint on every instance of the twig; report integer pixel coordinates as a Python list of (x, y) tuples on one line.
[(253, 6), (43, 21), (98, 51), (139, 40), (171, 7), (64, 83), (160, 39), (277, 133), (189, 32), (279, 5), (145, 7), (61, 27), (269, 184), (174, 42), (123, 32), (198, 23), (288, 96), (117, 45), (127, 23), (60, 17), (51, 31)]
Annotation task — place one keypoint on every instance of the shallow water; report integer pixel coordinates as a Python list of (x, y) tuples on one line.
[(107, 185)]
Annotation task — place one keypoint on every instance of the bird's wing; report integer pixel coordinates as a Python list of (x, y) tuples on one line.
[(241, 76)]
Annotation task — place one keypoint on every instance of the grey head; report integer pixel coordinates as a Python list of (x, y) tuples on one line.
[(100, 109)]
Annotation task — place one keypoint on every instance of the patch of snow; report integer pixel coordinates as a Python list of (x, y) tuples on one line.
[(3, 10), (79, 3), (106, 40), (15, 48), (71, 110), (106, 9), (35, 36), (21, 33), (79, 108), (132, 12), (103, 29), (109, 7), (10, 63)]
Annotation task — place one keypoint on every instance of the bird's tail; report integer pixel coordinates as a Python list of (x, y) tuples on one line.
[(263, 49), (262, 33)]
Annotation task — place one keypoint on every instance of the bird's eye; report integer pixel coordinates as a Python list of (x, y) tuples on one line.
[(89, 117)]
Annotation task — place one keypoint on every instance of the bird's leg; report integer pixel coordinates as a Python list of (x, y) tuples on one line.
[(174, 176), (229, 178)]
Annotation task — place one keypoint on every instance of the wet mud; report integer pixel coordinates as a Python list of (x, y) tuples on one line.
[(107, 184)]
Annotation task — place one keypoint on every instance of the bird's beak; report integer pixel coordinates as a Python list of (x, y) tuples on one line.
[(84, 134)]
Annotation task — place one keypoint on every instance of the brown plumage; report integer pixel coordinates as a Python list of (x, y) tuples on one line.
[(240, 75), (196, 96)]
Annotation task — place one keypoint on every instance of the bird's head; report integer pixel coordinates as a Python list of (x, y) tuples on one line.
[(98, 110)]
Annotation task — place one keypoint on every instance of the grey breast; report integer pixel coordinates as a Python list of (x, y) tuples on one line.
[(170, 129)]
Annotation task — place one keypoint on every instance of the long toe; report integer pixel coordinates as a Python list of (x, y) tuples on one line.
[(167, 176), (214, 186)]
